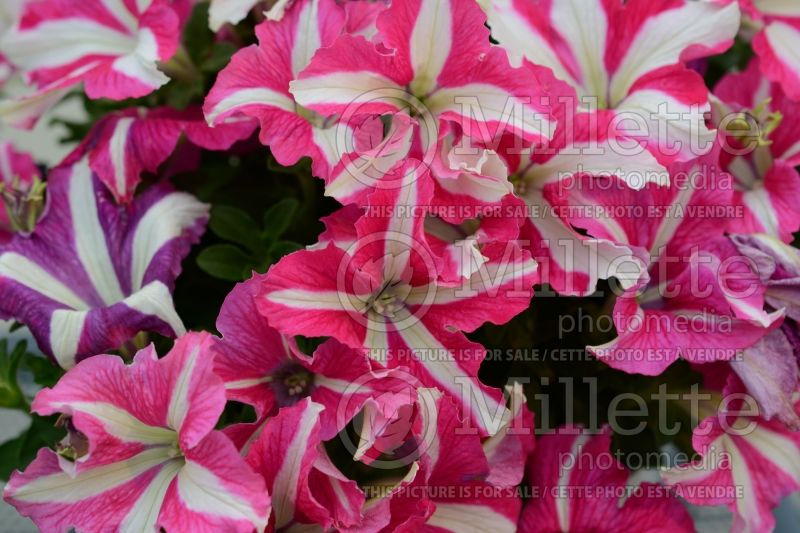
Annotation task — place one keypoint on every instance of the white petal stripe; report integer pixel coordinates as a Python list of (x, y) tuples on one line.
[(63, 488)]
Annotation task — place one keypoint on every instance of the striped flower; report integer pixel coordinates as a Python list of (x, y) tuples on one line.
[(385, 296), (256, 84), (579, 481), (93, 274), (626, 59), (747, 464), (153, 459), (123, 145), (309, 492), (112, 46), (777, 41)]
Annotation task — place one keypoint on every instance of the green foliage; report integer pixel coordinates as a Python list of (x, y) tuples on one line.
[(10, 391), (17, 453), (256, 246), (16, 362)]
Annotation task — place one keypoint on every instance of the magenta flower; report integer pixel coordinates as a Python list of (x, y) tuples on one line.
[(152, 460)]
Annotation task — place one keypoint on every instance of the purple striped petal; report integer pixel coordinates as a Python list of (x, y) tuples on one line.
[(94, 274)]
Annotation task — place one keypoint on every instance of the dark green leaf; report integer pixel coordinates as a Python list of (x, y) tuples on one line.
[(17, 453), (278, 218), (219, 57), (10, 393), (281, 248), (224, 261), (234, 225), (308, 345)]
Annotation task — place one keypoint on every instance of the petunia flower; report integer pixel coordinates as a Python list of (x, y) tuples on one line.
[(572, 263), (123, 145), (21, 192), (256, 83), (578, 485), (144, 454), (778, 36), (112, 46), (628, 58), (447, 489), (761, 148), (385, 297), (746, 463), (94, 274), (433, 59), (307, 488), (263, 368), (697, 298)]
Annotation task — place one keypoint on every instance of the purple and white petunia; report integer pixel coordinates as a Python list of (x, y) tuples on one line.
[(142, 453), (94, 274)]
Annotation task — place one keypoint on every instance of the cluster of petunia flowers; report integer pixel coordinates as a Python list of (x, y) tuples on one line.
[(469, 169)]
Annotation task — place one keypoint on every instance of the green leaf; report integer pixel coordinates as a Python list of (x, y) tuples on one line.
[(197, 37), (236, 226), (17, 453), (224, 261), (10, 393), (180, 93), (281, 248), (220, 56), (45, 373), (308, 345), (278, 218)]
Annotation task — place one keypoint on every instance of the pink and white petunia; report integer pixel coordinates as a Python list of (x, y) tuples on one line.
[(746, 463), (698, 299), (447, 488), (18, 174), (385, 296), (265, 369), (112, 46), (776, 43), (628, 58), (572, 263), (578, 485), (123, 145), (153, 459), (256, 84), (362, 16), (306, 487), (507, 452), (763, 153), (434, 59), (94, 274)]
